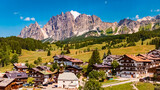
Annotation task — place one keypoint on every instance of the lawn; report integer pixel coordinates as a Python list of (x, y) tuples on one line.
[(145, 86), (126, 86), (112, 82), (84, 56)]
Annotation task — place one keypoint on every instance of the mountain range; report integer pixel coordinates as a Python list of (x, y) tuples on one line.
[(66, 25)]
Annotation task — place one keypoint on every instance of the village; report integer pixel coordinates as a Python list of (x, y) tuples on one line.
[(69, 75)]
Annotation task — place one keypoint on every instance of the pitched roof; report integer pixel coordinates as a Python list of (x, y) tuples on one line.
[(101, 66), (75, 66), (15, 74), (20, 65), (45, 70), (5, 81), (67, 76), (68, 58), (137, 58)]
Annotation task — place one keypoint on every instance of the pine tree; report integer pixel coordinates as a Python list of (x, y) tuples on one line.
[(109, 52), (14, 59), (49, 53), (104, 55), (95, 58), (68, 51)]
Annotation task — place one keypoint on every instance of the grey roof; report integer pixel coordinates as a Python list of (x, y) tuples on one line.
[(16, 74), (67, 76), (76, 67), (5, 81)]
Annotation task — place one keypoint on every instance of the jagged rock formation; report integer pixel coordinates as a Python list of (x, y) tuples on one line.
[(66, 25)]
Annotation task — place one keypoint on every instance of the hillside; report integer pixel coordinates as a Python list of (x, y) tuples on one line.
[(33, 55)]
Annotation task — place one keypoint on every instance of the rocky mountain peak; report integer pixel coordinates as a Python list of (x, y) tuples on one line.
[(72, 23)]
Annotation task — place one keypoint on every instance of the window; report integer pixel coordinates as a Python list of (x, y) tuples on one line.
[(63, 81)]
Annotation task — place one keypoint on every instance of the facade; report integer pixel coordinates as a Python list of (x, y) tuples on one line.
[(67, 60), (41, 74), (105, 68), (68, 80), (157, 73), (109, 59), (133, 66), (18, 76), (74, 69), (21, 67), (6, 84)]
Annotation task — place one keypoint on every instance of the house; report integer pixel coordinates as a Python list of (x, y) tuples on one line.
[(41, 74), (67, 60), (68, 80), (133, 66), (105, 68), (6, 84), (109, 59), (21, 67), (18, 76), (157, 73), (74, 69), (153, 55)]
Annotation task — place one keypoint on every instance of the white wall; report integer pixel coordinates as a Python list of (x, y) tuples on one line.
[(67, 83)]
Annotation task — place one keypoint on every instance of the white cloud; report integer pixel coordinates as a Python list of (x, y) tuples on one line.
[(105, 2), (75, 13), (156, 10), (27, 19), (33, 19), (21, 17), (137, 17), (15, 13)]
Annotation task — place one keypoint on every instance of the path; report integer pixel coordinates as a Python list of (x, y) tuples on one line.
[(132, 80)]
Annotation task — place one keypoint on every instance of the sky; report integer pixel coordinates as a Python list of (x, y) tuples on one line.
[(16, 14)]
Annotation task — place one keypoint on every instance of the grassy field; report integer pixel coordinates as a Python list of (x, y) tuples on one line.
[(145, 86), (126, 86), (85, 56)]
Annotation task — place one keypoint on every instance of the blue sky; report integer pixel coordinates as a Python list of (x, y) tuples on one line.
[(16, 14)]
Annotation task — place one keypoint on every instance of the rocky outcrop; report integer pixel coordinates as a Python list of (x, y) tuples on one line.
[(33, 31), (66, 25)]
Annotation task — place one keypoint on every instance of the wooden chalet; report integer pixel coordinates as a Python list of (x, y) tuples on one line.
[(41, 74), (74, 69), (67, 60), (21, 67), (105, 68), (133, 66), (109, 59), (20, 77), (7, 84)]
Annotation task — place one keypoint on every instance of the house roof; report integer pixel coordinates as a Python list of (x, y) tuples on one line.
[(101, 66), (114, 56), (15, 74), (75, 66), (68, 58), (45, 70), (5, 81), (138, 59), (20, 65), (67, 76)]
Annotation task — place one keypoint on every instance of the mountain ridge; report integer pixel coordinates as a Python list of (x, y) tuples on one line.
[(66, 25)]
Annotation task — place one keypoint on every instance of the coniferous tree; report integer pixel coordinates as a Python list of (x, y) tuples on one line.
[(14, 59), (95, 58), (109, 52), (104, 55), (49, 53)]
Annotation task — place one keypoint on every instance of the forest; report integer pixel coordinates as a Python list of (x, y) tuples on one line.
[(15, 45)]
